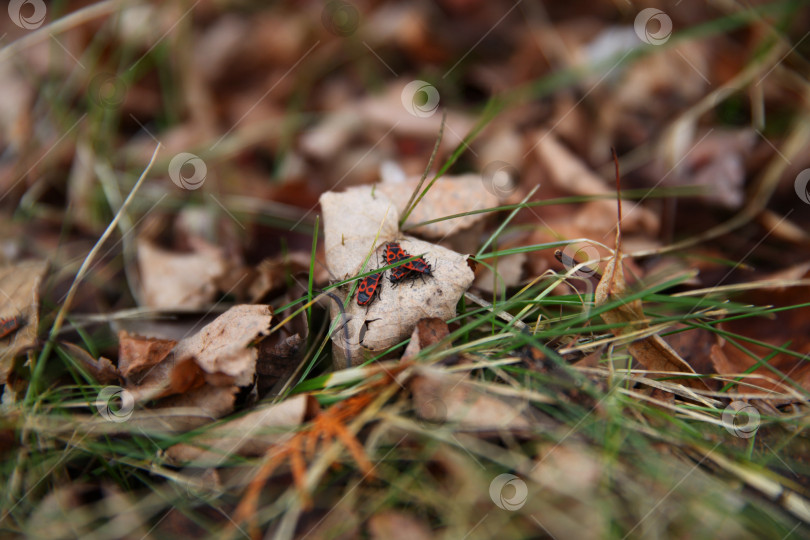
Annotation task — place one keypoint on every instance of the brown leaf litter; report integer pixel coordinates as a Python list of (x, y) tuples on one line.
[(19, 286)]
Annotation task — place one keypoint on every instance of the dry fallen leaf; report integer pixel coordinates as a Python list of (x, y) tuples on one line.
[(139, 353), (19, 290), (775, 330), (427, 332), (101, 369), (449, 195), (219, 354), (222, 348), (567, 172), (652, 351), (393, 525), (510, 272), (442, 398), (178, 280), (351, 222), (248, 435), (571, 472)]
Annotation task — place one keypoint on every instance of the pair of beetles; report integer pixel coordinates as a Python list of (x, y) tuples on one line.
[(370, 285)]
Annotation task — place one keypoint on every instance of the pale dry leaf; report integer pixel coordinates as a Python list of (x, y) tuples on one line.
[(248, 435), (179, 280), (714, 160), (387, 111), (101, 369), (509, 273), (449, 195), (332, 134), (782, 228), (565, 170), (392, 316), (442, 398), (19, 297), (352, 220), (186, 411), (572, 472), (504, 147), (569, 173), (219, 354), (652, 351), (394, 525), (222, 348), (166, 378), (427, 332)]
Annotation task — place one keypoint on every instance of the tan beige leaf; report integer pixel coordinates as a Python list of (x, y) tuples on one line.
[(427, 332), (183, 412), (509, 273), (179, 280), (166, 378), (569, 173), (393, 525), (387, 111), (249, 435), (101, 369), (443, 398), (19, 297), (652, 351), (392, 316), (352, 220), (222, 348), (220, 354), (448, 196)]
